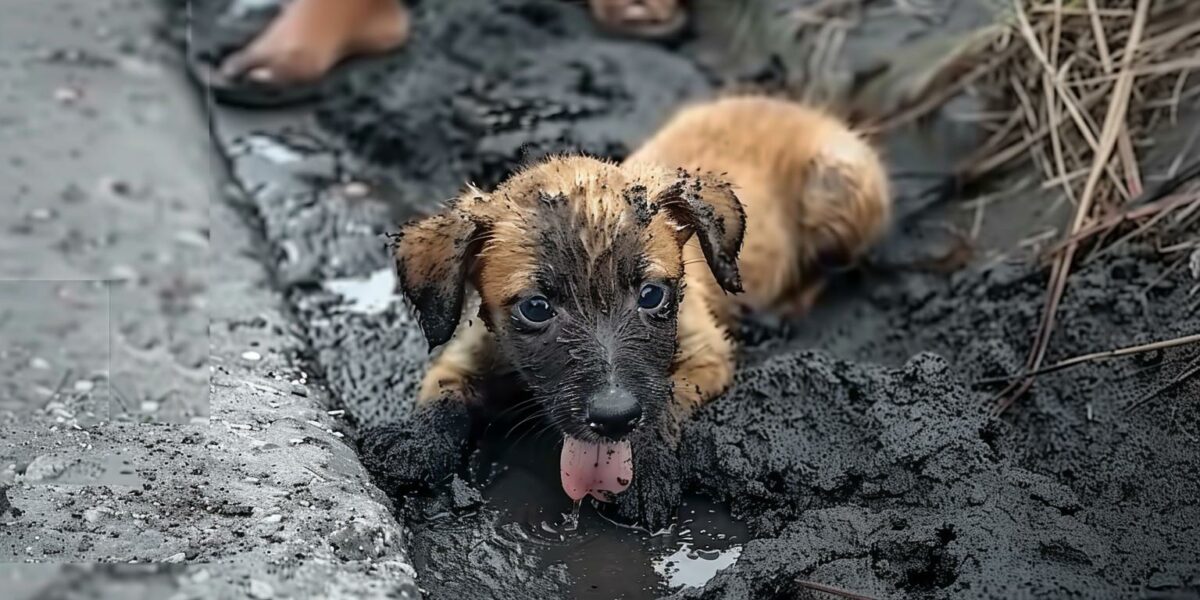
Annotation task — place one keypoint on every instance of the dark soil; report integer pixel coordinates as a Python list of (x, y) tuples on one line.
[(850, 463)]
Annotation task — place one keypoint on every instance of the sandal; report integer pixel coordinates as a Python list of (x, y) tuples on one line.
[(243, 92)]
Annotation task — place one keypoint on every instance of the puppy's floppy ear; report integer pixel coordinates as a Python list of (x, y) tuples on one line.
[(706, 207), (432, 257)]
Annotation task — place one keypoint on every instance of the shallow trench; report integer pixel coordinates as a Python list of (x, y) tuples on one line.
[(817, 466)]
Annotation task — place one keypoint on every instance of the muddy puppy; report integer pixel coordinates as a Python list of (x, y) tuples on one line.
[(612, 290)]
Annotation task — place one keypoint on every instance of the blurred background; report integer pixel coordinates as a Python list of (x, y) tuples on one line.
[(198, 320)]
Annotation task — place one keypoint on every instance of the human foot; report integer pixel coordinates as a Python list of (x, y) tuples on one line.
[(309, 37), (652, 19)]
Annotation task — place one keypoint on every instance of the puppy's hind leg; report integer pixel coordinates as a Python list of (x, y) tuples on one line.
[(842, 207), (845, 202)]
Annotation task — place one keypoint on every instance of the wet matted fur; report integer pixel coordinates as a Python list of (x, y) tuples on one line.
[(733, 205)]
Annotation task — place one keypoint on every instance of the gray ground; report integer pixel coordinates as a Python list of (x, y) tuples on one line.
[(855, 464), (158, 439)]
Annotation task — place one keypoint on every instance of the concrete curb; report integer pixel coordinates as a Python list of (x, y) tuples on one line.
[(264, 498)]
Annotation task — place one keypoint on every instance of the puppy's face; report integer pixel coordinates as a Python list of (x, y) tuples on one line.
[(578, 264)]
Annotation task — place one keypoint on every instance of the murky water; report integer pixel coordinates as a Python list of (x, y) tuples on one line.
[(604, 559)]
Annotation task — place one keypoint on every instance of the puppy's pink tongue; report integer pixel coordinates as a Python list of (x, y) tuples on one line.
[(601, 470)]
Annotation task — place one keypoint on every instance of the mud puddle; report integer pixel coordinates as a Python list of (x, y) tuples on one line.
[(600, 558), (605, 559)]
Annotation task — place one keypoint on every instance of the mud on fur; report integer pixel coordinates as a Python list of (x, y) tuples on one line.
[(610, 290)]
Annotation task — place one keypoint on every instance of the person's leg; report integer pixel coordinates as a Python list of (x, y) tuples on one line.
[(309, 37)]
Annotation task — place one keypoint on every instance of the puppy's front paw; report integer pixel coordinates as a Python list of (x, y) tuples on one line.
[(421, 452), (653, 498)]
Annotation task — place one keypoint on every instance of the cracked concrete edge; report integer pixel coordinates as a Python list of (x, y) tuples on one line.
[(267, 499), (352, 543)]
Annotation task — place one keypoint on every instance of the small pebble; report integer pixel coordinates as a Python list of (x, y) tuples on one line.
[(261, 589), (251, 355), (356, 190), (84, 386), (273, 519), (149, 406), (67, 95), (189, 237), (39, 363), (72, 194), (115, 186), (92, 515), (175, 558), (124, 272), (41, 214)]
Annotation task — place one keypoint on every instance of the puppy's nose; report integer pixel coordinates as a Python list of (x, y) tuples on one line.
[(613, 412)]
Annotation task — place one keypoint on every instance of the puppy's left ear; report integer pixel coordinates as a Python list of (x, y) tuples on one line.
[(706, 207), (432, 257)]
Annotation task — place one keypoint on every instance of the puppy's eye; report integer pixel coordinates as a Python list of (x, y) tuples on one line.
[(536, 309), (651, 296)]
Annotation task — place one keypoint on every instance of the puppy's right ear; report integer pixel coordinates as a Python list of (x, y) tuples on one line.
[(432, 257)]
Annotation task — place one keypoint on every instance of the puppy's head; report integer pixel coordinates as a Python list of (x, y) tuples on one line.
[(579, 268)]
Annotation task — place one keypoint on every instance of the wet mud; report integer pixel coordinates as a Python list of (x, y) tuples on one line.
[(855, 449)]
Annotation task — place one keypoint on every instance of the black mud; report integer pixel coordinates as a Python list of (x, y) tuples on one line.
[(882, 481), (850, 463), (489, 86)]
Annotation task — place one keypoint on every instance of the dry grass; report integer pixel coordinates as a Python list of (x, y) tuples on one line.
[(1076, 86), (1058, 75), (1096, 79), (1104, 79), (1073, 85)]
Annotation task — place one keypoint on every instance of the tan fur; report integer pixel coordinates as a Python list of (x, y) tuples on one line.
[(808, 186), (468, 354), (807, 183), (705, 361)]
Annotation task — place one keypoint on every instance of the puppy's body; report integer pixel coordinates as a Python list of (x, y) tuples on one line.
[(637, 266), (811, 189)]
